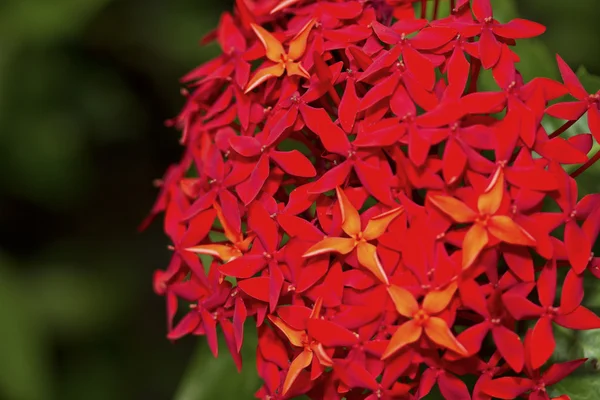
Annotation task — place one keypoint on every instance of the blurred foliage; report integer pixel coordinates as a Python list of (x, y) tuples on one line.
[(85, 87)]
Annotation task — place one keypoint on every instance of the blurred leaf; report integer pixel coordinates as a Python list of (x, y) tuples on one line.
[(205, 380), (74, 302), (44, 21), (591, 82), (579, 387), (24, 371)]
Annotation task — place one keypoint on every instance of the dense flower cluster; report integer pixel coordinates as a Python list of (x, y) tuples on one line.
[(371, 211)]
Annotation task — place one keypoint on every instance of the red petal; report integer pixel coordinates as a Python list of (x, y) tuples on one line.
[(482, 9), (521, 308), (348, 108), (519, 29), (248, 190), (333, 178), (570, 110), (558, 372), (263, 225), (419, 66), (571, 80), (571, 293), (333, 138), (581, 319), (330, 334), (506, 387), (243, 267), (294, 163), (542, 343), (489, 49), (452, 388), (578, 246)]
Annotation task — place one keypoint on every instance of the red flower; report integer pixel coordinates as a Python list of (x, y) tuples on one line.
[(348, 196)]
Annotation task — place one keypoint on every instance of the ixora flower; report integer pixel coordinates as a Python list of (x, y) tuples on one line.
[(375, 216)]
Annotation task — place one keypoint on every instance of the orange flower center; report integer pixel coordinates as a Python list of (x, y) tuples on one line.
[(483, 219), (421, 317)]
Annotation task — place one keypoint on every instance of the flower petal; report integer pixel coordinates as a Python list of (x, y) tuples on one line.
[(407, 333), (367, 257), (295, 337), (489, 202), (475, 240), (437, 330), (510, 347), (273, 47), (454, 208), (405, 302), (350, 217), (263, 74), (302, 361), (379, 223), (542, 343), (221, 251), (298, 43), (507, 387), (437, 300), (507, 230), (331, 245)]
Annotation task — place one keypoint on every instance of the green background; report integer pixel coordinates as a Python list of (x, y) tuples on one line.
[(85, 87)]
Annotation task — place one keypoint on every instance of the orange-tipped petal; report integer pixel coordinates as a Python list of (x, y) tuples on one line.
[(379, 223), (475, 240), (221, 251), (232, 235), (489, 202), (298, 43), (283, 4), (367, 257), (437, 330), (322, 355), (273, 47), (350, 217), (437, 300), (507, 230), (331, 245), (262, 75), (459, 211), (405, 302), (302, 361), (295, 68), (407, 333), (316, 310), (295, 337)]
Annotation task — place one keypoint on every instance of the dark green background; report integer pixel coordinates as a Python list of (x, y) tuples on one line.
[(85, 86)]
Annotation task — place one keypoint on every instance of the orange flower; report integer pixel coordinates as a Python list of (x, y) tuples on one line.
[(422, 319), (225, 252), (301, 339), (283, 61), (485, 221), (283, 4), (359, 238)]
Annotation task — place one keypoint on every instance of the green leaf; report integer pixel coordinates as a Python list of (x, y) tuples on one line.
[(580, 387), (217, 378), (590, 82), (25, 362)]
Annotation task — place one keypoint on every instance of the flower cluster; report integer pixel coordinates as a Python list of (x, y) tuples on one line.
[(379, 218)]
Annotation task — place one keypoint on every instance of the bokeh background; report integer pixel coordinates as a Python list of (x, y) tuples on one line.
[(85, 88)]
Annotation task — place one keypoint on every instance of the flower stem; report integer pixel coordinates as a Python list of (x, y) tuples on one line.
[(563, 128), (585, 166), (436, 6), (423, 9)]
